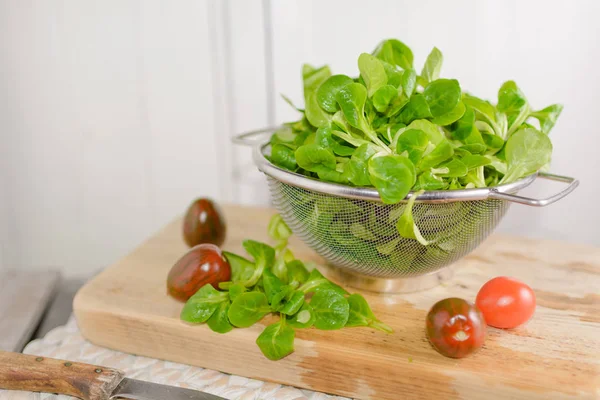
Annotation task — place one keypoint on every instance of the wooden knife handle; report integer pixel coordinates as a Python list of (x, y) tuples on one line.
[(42, 374)]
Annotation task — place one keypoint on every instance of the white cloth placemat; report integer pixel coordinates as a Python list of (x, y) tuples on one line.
[(67, 343)]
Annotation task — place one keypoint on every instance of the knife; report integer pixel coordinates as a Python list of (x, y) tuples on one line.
[(84, 381)]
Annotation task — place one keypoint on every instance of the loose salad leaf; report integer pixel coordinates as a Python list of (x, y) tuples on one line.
[(280, 297), (394, 74), (301, 300), (372, 72), (442, 96), (241, 268), (219, 321), (248, 308), (453, 168), (235, 290), (304, 318), (284, 156), (395, 52), (264, 256), (316, 281), (357, 169), (396, 106), (393, 175), (315, 114), (463, 127), (277, 340), (327, 92), (271, 285), (432, 130), (406, 224), (547, 117), (297, 272), (278, 229), (416, 108), (331, 309), (440, 153), (494, 143), (409, 82), (473, 161), (293, 304), (313, 78), (352, 99), (383, 96), (361, 314), (510, 98), (433, 66), (527, 151), (429, 181), (315, 158), (201, 306), (412, 143), (451, 116)]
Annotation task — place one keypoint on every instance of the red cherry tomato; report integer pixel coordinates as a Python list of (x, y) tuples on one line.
[(506, 302), (203, 223), (201, 265), (455, 327)]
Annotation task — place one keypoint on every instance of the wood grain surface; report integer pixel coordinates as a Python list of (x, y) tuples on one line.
[(556, 355), (48, 375)]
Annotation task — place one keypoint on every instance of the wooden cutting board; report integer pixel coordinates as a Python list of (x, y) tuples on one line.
[(554, 356)]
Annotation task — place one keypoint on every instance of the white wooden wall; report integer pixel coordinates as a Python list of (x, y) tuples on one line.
[(115, 114), (108, 125)]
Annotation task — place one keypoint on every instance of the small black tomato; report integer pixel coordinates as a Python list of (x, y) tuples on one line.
[(203, 223)]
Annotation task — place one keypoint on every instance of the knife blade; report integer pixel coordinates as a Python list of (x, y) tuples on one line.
[(84, 381), (143, 390)]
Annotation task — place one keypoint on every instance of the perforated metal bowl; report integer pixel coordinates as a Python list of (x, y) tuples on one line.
[(355, 232)]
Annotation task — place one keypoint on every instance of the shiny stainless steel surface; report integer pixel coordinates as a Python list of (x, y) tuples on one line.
[(245, 138), (390, 285), (142, 390), (573, 183), (371, 194)]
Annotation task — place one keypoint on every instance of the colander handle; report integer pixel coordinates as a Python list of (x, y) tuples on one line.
[(573, 183), (246, 137)]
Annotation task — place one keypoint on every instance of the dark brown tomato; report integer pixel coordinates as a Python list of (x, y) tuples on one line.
[(201, 265), (455, 327), (203, 223)]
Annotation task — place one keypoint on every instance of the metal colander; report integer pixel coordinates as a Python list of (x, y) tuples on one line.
[(355, 232)]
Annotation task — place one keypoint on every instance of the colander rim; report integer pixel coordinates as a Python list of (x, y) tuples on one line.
[(371, 194)]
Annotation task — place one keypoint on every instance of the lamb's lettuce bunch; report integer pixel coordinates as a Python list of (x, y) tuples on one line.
[(400, 131)]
